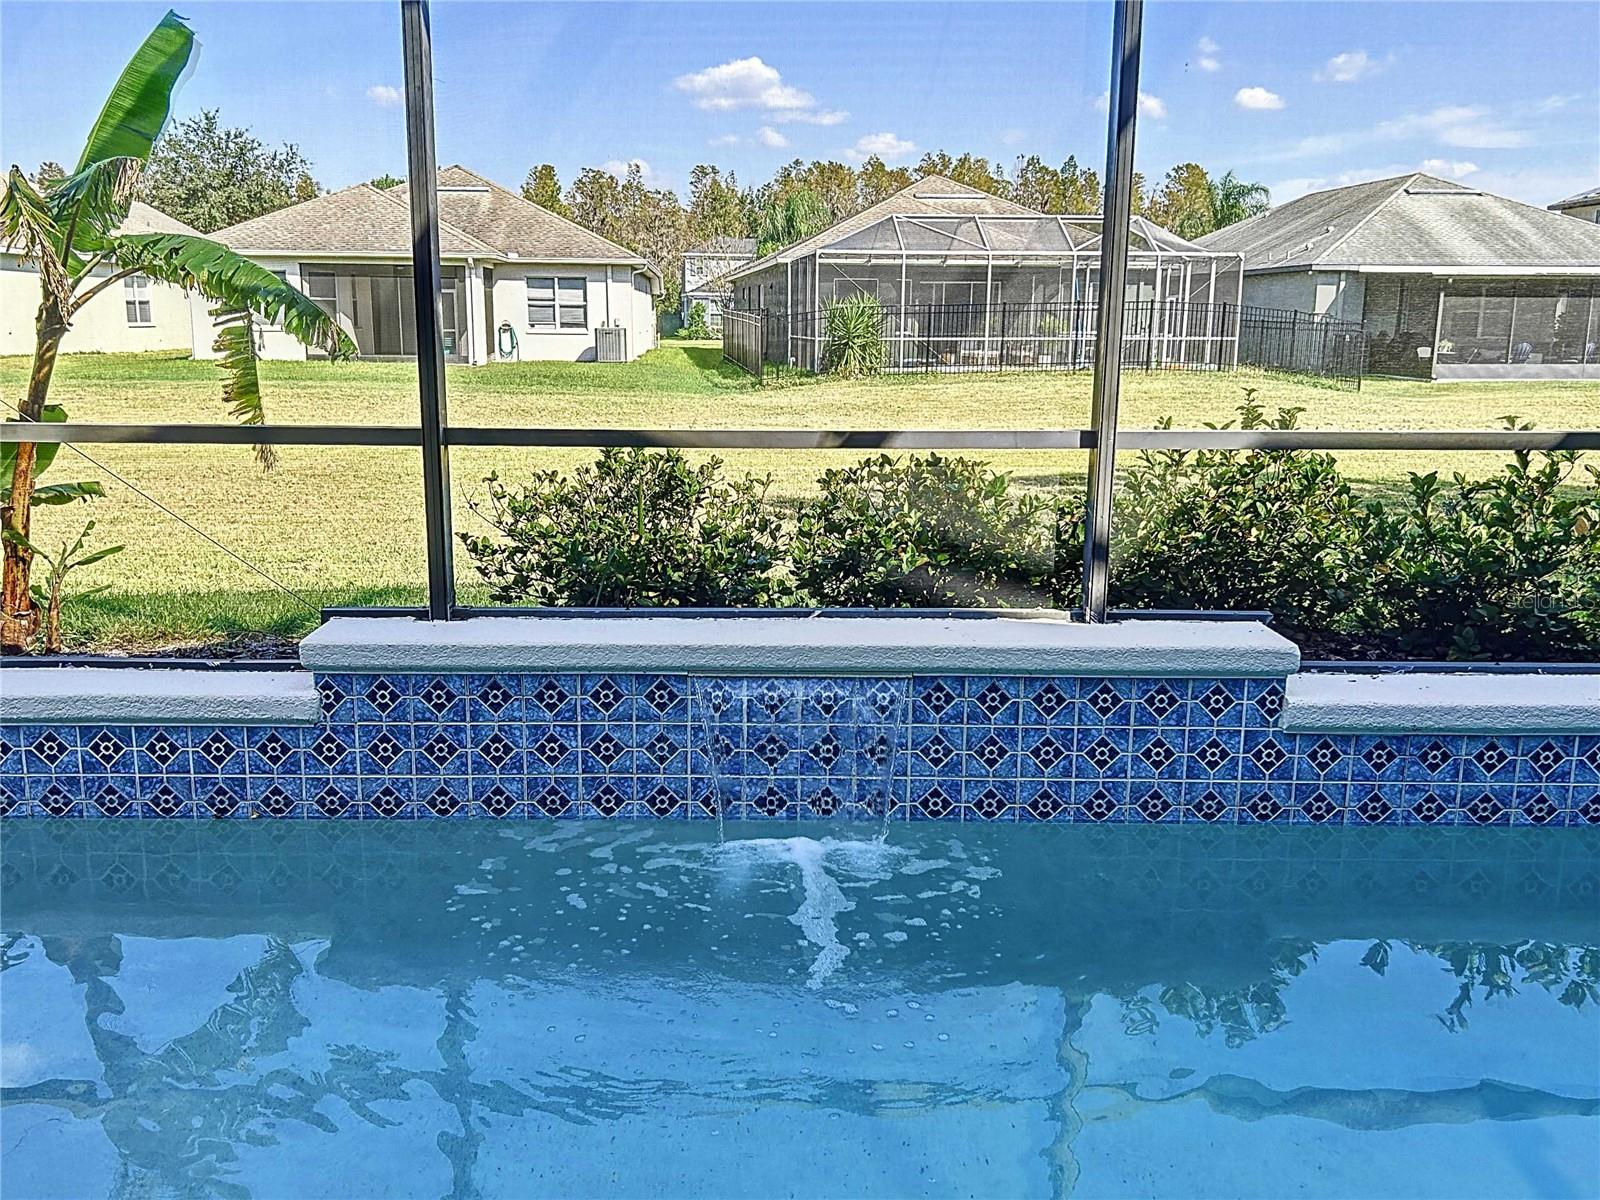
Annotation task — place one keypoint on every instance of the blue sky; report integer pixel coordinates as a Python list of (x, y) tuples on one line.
[(1296, 95)]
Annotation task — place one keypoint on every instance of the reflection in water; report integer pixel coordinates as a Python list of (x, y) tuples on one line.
[(200, 1010)]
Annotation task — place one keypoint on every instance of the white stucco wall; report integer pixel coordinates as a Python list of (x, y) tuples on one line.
[(613, 299), (101, 325)]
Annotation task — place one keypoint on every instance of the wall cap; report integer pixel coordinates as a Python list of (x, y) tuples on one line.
[(1434, 702), (1013, 644), (115, 696)]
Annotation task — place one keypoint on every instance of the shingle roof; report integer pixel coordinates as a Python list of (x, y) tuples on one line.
[(932, 195), (726, 245), (1581, 200), (142, 218), (476, 218), (1413, 220)]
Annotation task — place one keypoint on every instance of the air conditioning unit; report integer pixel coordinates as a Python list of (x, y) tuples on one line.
[(611, 344)]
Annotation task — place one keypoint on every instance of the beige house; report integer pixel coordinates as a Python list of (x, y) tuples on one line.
[(1585, 206), (140, 314), (520, 283)]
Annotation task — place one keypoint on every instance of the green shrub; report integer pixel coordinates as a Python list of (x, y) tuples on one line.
[(638, 527), (696, 326), (853, 337), (929, 531), (1236, 529), (1505, 567)]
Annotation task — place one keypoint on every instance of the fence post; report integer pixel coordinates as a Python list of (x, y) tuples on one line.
[(1112, 303), (417, 40)]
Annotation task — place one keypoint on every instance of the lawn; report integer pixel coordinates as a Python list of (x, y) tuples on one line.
[(343, 525)]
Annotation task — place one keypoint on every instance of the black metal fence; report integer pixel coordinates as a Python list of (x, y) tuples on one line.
[(1302, 343), (1157, 335), (743, 339)]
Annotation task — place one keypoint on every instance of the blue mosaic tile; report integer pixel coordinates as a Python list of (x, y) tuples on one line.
[(982, 748)]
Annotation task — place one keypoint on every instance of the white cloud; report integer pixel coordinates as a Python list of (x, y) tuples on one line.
[(1207, 59), (1150, 106), (771, 138), (385, 96), (744, 83), (1461, 126), (1352, 66), (885, 145), (1258, 99), (724, 140), (647, 174), (1450, 168), (820, 116), (1014, 137)]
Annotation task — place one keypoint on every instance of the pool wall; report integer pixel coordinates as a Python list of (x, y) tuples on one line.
[(874, 718)]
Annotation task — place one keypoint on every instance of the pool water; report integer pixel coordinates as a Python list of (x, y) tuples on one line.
[(478, 1009)]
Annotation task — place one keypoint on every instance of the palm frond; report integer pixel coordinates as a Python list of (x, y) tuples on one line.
[(140, 102), (27, 226), (231, 281), (241, 388)]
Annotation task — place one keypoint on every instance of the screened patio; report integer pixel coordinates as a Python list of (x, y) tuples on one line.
[(1002, 292)]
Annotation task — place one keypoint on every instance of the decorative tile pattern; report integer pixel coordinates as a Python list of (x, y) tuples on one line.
[(971, 748)]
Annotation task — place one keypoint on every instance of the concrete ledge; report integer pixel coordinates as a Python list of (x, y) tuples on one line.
[(1442, 703), (114, 696), (1014, 644)]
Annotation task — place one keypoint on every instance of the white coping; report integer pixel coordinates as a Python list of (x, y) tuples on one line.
[(1437, 702), (1019, 643), (125, 696)]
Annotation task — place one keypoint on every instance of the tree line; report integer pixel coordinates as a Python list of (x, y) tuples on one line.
[(210, 175)]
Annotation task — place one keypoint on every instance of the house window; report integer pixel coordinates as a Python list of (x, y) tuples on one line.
[(323, 289), (558, 302), (136, 298)]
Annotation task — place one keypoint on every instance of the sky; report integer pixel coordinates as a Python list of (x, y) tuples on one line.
[(1298, 96)]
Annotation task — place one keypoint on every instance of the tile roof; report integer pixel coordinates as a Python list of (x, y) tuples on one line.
[(1413, 220), (476, 218)]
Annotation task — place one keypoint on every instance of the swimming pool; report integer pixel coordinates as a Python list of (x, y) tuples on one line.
[(378, 1008)]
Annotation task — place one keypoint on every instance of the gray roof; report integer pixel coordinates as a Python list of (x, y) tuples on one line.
[(477, 218), (1581, 200), (142, 218), (932, 195), (727, 247), (1410, 221)]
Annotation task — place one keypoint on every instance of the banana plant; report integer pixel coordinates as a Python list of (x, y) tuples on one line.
[(51, 595), (68, 230)]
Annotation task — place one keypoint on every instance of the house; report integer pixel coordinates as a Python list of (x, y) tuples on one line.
[(1450, 281), (705, 264), (519, 282), (1585, 205), (139, 314), (972, 281)]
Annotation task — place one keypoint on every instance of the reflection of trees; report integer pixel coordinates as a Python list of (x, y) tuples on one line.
[(1242, 1013), (1570, 973), (1483, 971)]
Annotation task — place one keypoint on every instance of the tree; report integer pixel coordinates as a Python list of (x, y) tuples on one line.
[(1233, 200), (210, 176), (1080, 189), (790, 219), (543, 187), (69, 232), (715, 206), (1184, 202), (651, 221), (49, 171), (876, 181), (969, 169), (386, 181)]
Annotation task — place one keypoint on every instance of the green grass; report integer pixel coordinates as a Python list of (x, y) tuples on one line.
[(343, 525)]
